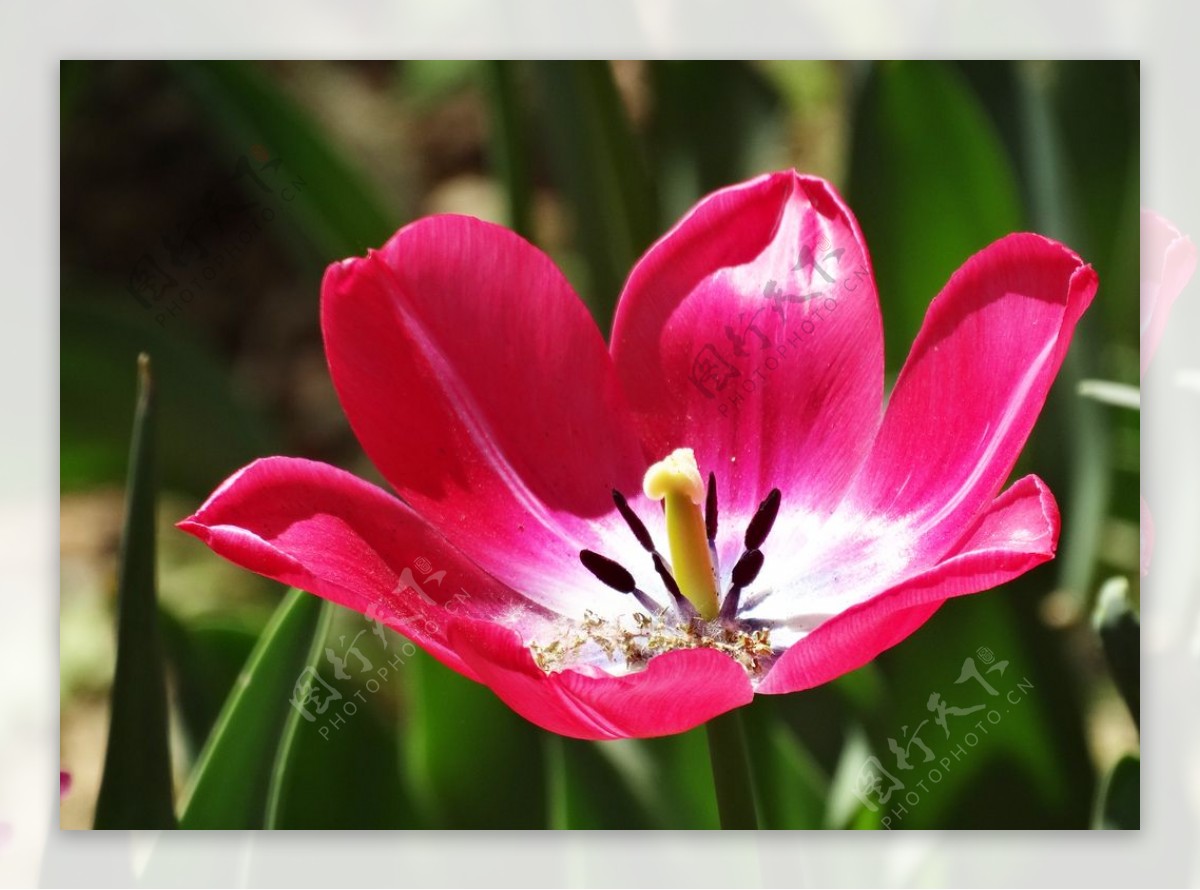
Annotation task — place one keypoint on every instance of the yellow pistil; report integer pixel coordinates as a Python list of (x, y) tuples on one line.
[(676, 479)]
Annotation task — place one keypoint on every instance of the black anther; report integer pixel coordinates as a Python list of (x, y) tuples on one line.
[(607, 571), (710, 509), (743, 575), (631, 519), (747, 568), (764, 518)]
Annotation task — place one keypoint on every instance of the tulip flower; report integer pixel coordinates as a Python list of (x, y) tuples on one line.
[(631, 539)]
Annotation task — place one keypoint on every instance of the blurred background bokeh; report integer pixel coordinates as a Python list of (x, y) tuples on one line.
[(200, 203)]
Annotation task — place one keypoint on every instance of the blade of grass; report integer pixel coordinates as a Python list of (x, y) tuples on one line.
[(135, 788), (205, 658), (661, 783), (230, 783), (471, 761), (342, 774), (731, 770), (789, 785), (284, 759)]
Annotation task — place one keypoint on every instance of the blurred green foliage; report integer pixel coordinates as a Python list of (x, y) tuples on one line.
[(593, 161)]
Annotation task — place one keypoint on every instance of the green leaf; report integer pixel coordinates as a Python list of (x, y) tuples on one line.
[(471, 761), (729, 759), (1120, 633), (344, 779), (790, 786), (135, 787), (1119, 806), (341, 770), (336, 206), (229, 786), (205, 657), (601, 170), (586, 790), (930, 183), (663, 783)]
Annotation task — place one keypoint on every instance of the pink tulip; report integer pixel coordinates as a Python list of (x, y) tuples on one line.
[(803, 529)]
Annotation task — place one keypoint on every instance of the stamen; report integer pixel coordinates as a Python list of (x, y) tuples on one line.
[(686, 610), (743, 575), (710, 508), (647, 602), (755, 599), (676, 481), (607, 571), (747, 568), (692, 582), (616, 576), (631, 519), (764, 518), (710, 523)]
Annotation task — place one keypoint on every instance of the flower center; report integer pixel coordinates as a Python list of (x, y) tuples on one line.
[(696, 615), (676, 481), (632, 642)]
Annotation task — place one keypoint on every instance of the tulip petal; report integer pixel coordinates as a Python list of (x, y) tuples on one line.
[(751, 333), (970, 391), (1018, 532), (674, 693), (481, 388), (312, 526)]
